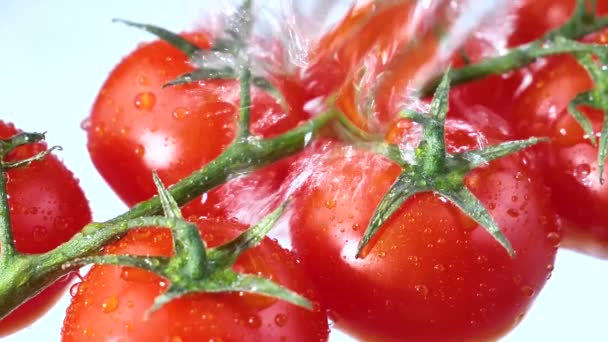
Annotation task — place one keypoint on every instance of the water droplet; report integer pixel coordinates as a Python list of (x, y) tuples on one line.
[(86, 124), (330, 204), (145, 101), (40, 233), (100, 128), (135, 274), (513, 212), (517, 279), (280, 320), (439, 268), (74, 289), (582, 170), (422, 290), (527, 291), (554, 239), (140, 150), (143, 80), (174, 339), (254, 321), (110, 304), (180, 113)]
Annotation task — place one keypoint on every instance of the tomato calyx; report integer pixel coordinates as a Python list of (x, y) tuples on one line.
[(596, 98), (436, 170), (558, 41), (226, 59), (193, 268), (23, 138)]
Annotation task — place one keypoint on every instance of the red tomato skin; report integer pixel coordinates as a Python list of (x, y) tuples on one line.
[(111, 301), (47, 207), (136, 127), (535, 18), (431, 274), (569, 161)]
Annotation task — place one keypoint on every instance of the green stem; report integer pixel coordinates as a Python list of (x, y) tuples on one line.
[(7, 243), (238, 157), (245, 106), (521, 56), (27, 275)]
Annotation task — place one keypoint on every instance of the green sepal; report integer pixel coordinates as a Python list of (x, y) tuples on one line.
[(470, 205), (203, 74), (582, 99), (439, 103), (170, 207), (20, 139), (435, 170), (177, 41), (226, 254), (401, 190), (596, 98), (27, 161), (476, 158), (229, 281), (415, 116)]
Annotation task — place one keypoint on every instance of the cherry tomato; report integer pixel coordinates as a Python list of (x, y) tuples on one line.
[(569, 163), (136, 127), (431, 273), (111, 301), (47, 207)]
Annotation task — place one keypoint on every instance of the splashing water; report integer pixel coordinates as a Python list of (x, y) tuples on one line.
[(371, 55)]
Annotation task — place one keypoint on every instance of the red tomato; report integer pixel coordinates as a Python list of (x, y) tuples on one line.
[(47, 207), (111, 301), (136, 127), (570, 161), (431, 273), (534, 18)]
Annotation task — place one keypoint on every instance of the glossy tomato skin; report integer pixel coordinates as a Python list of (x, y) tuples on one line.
[(111, 301), (432, 273), (47, 207), (136, 127), (569, 162), (534, 18)]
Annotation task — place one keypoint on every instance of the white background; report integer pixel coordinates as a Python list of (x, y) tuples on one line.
[(54, 56)]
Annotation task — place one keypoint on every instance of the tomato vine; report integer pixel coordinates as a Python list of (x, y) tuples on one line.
[(196, 268)]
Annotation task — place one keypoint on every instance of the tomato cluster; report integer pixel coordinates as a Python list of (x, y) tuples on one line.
[(431, 272)]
